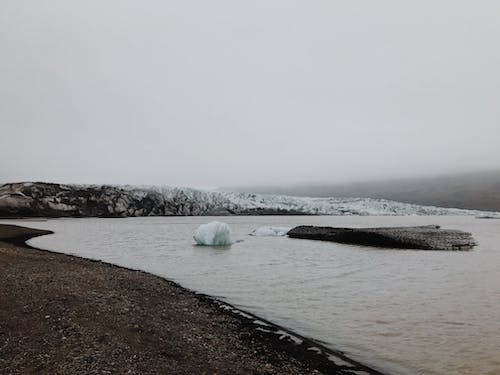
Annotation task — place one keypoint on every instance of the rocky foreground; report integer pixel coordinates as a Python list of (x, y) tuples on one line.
[(38, 199), (429, 237), (61, 314)]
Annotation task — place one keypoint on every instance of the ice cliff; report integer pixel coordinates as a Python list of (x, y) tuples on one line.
[(37, 199)]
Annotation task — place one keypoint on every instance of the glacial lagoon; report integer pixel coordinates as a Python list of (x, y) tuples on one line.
[(400, 311)]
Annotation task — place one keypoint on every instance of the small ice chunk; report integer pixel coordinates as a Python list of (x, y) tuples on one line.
[(270, 231), (213, 234)]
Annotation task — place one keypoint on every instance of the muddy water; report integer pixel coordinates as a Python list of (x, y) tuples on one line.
[(400, 311)]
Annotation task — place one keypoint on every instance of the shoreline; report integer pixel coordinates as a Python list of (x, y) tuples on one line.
[(279, 345)]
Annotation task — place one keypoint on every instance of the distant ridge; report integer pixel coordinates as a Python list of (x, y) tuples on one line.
[(475, 191)]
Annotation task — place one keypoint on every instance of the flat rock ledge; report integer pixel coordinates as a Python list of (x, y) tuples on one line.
[(428, 237)]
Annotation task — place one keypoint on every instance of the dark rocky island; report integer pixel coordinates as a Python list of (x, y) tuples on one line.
[(430, 237)]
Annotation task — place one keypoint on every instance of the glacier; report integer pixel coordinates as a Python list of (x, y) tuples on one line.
[(214, 233), (38, 199), (189, 201)]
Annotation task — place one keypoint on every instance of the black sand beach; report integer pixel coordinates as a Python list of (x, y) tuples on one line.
[(62, 314)]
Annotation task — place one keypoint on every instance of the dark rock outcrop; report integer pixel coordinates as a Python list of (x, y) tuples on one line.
[(430, 237), (58, 200)]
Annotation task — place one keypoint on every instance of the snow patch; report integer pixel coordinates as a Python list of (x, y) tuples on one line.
[(214, 233)]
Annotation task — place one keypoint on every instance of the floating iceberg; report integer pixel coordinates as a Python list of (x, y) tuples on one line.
[(270, 231), (213, 234)]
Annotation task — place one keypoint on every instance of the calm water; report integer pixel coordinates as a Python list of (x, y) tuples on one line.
[(401, 311)]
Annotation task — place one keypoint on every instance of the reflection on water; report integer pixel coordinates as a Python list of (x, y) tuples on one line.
[(402, 311)]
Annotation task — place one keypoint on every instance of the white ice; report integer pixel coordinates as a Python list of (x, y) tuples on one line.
[(270, 231), (213, 234), (199, 202)]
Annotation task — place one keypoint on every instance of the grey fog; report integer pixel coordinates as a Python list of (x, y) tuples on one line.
[(226, 93)]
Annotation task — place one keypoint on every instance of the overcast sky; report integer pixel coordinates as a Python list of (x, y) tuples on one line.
[(218, 93)]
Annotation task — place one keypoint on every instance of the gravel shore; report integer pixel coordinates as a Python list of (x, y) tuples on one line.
[(62, 314)]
